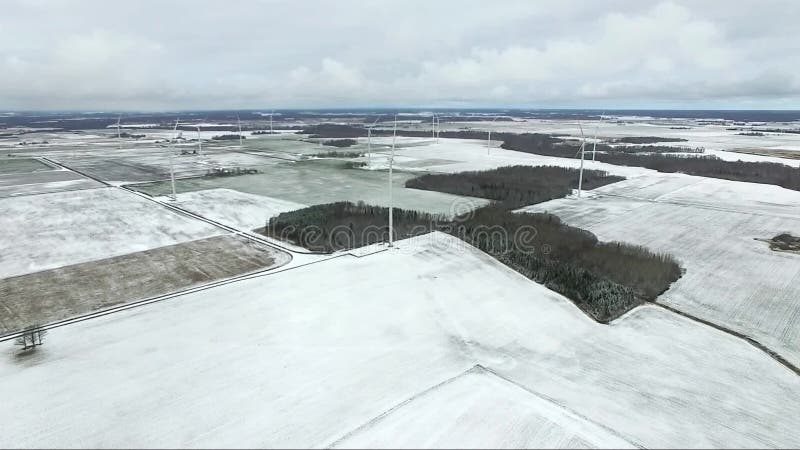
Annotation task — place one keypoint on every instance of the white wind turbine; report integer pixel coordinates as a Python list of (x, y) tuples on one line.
[(594, 145), (583, 147), (199, 142), (391, 205), (369, 141), (119, 133), (174, 196), (489, 141), (239, 121)]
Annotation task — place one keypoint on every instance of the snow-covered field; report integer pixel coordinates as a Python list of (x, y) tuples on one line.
[(459, 155), (479, 403), (711, 226), (52, 230), (39, 181), (361, 349), (234, 208)]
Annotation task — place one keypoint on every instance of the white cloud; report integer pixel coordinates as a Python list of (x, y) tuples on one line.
[(351, 53)]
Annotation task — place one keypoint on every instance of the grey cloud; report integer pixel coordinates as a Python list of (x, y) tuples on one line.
[(256, 54)]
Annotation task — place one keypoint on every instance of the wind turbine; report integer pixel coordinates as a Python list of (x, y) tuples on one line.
[(199, 142), (489, 141), (391, 205), (583, 146), (433, 126), (171, 163), (239, 121), (594, 145), (271, 131), (119, 133), (369, 141)]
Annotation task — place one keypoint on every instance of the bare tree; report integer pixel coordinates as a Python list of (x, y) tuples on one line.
[(31, 337)]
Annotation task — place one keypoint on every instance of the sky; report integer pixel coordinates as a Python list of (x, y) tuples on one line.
[(212, 54)]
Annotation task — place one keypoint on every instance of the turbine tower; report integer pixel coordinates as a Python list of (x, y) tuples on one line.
[(369, 141), (489, 141), (391, 205), (239, 121), (174, 196), (119, 133), (583, 146), (199, 142), (594, 146), (271, 131)]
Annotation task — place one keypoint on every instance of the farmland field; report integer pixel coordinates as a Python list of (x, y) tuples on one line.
[(320, 181), (238, 209), (166, 374), (60, 293), (46, 231), (711, 227)]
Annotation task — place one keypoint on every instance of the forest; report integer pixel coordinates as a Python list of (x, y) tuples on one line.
[(513, 186), (340, 142), (604, 280), (648, 139)]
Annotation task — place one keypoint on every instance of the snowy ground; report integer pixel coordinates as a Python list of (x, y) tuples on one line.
[(459, 155), (52, 230), (233, 208), (29, 176), (711, 226), (289, 367), (479, 403)]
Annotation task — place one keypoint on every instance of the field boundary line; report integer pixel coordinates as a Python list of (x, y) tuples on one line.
[(758, 345)]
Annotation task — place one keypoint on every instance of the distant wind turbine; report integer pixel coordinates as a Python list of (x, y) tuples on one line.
[(239, 121), (369, 141), (199, 142), (171, 156), (391, 203), (583, 147), (119, 133), (489, 141), (271, 131), (594, 145)]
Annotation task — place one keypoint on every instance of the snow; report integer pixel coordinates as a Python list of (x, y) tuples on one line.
[(711, 227), (479, 403), (41, 181), (367, 345), (459, 155), (234, 208), (52, 230)]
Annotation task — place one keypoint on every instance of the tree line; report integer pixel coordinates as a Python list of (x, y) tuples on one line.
[(605, 280), (514, 186)]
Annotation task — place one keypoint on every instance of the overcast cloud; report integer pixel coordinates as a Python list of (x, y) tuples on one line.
[(277, 54)]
